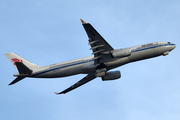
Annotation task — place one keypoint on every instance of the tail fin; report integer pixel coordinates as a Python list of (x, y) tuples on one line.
[(15, 58)]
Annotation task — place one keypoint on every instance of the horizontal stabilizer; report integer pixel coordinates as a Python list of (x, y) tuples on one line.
[(16, 80), (23, 69)]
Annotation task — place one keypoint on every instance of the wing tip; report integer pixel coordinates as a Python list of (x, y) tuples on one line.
[(83, 22), (58, 93)]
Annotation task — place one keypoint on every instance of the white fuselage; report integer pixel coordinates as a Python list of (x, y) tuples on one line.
[(86, 65)]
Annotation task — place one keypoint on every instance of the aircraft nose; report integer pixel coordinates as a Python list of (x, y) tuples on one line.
[(173, 46)]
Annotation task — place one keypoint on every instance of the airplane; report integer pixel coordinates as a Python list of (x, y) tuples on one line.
[(104, 58)]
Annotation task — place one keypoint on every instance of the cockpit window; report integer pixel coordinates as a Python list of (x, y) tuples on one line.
[(169, 42)]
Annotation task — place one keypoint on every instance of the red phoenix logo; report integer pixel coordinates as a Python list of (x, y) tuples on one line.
[(16, 60)]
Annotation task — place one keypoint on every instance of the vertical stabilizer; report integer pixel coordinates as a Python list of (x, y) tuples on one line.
[(15, 58)]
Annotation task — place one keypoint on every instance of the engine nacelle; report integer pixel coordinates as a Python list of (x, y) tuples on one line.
[(121, 53), (111, 75)]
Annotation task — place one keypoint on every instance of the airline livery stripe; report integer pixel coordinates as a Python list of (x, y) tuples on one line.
[(150, 47), (91, 60), (60, 67)]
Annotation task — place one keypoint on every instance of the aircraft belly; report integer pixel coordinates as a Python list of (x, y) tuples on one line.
[(39, 75)]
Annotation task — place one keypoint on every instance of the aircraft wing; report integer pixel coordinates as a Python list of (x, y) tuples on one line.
[(86, 79), (101, 49)]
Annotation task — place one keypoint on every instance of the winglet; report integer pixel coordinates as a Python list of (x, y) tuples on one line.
[(83, 22)]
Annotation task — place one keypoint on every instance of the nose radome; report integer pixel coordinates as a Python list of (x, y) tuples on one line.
[(173, 46)]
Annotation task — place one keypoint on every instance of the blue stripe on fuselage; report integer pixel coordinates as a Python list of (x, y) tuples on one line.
[(150, 47), (81, 62), (60, 67)]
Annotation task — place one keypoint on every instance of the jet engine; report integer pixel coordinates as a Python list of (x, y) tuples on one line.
[(121, 53), (111, 75)]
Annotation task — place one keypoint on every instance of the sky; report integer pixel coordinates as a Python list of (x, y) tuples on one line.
[(49, 31)]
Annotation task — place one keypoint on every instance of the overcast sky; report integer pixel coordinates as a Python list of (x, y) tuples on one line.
[(49, 31)]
